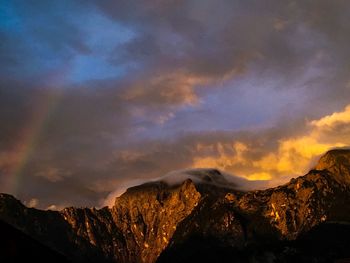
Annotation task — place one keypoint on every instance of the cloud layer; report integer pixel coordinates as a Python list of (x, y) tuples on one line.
[(94, 94)]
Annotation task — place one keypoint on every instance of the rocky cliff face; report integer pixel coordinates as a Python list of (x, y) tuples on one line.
[(156, 221)]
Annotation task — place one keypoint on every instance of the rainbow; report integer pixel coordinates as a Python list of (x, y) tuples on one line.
[(29, 137)]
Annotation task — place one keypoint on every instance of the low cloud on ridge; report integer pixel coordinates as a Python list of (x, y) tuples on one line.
[(198, 176), (291, 157)]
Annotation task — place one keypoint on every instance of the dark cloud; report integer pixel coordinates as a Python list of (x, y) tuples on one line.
[(209, 42), (195, 83), (57, 136)]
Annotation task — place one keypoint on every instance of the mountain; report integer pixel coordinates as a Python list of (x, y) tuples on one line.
[(204, 220), (15, 246)]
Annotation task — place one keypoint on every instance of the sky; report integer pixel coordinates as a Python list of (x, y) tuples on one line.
[(96, 94)]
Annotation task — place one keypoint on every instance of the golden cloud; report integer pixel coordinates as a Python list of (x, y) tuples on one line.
[(333, 119), (226, 157), (293, 156)]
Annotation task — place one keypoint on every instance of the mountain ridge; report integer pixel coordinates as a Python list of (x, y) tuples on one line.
[(152, 221)]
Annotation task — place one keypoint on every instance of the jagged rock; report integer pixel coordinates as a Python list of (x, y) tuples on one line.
[(158, 221), (148, 216)]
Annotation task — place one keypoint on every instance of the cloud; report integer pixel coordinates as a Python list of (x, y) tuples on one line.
[(55, 136), (33, 203), (53, 174), (169, 90), (198, 176), (270, 154), (121, 188), (55, 207), (29, 53), (182, 49), (224, 159), (292, 156), (334, 119), (94, 94)]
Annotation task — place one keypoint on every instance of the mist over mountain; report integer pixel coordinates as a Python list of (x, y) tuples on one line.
[(201, 217), (208, 176)]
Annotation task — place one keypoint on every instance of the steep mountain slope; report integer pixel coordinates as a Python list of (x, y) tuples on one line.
[(282, 224), (169, 223)]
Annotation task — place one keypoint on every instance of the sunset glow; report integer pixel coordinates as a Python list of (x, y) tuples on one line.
[(99, 94)]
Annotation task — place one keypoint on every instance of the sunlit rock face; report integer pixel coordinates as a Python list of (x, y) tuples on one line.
[(149, 215), (336, 162), (167, 221)]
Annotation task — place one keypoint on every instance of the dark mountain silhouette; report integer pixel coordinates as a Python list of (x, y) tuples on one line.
[(15, 246), (305, 220)]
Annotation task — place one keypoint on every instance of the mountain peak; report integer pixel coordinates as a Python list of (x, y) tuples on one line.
[(337, 162), (334, 157), (209, 176), (174, 215)]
